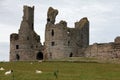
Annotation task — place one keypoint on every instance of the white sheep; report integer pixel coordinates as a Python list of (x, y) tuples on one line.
[(38, 71), (8, 72), (40, 61), (1, 69), (31, 63)]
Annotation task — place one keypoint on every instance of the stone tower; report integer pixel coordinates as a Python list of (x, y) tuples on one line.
[(26, 44), (62, 41)]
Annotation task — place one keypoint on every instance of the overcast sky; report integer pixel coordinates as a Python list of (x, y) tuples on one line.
[(103, 15)]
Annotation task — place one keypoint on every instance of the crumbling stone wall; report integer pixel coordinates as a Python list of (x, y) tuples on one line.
[(104, 50)]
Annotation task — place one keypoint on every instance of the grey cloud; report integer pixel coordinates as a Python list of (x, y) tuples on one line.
[(9, 12)]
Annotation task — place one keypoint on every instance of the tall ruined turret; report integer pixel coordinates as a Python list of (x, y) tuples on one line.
[(83, 32), (26, 44), (51, 15)]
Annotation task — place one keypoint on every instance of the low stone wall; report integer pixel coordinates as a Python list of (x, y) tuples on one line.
[(103, 51)]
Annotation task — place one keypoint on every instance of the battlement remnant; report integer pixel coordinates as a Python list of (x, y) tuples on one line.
[(14, 37), (51, 15), (117, 39), (83, 22)]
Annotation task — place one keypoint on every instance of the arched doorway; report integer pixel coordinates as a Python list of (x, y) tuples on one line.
[(17, 57), (39, 56), (71, 54)]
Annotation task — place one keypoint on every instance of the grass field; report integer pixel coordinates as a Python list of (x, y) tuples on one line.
[(66, 71)]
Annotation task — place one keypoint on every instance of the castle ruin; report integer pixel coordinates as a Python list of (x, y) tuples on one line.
[(26, 44), (61, 41)]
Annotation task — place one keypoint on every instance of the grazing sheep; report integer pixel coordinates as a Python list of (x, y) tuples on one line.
[(38, 71), (8, 72), (1, 69), (40, 61), (31, 63)]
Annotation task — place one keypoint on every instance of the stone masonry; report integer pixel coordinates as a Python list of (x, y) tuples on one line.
[(61, 41), (104, 50), (26, 44)]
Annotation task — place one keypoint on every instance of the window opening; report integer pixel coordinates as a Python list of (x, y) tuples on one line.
[(52, 33), (27, 38), (71, 54), (17, 46), (68, 43), (39, 56), (50, 55), (48, 19), (17, 57), (52, 43)]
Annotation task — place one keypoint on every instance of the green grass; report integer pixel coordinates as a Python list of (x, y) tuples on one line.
[(77, 59), (67, 71)]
